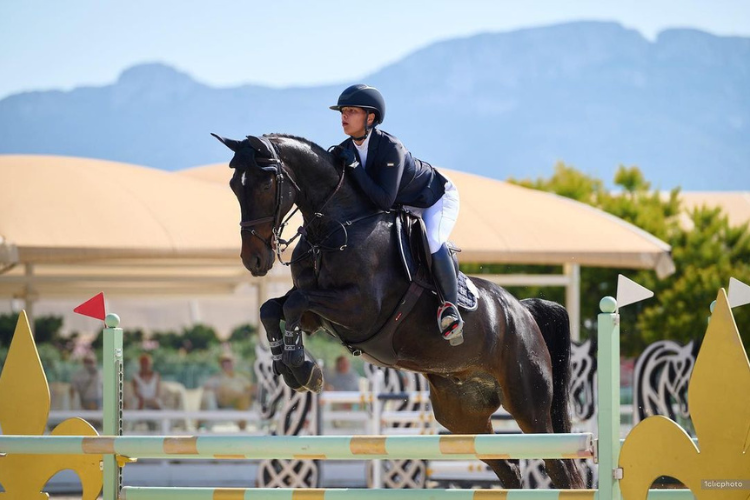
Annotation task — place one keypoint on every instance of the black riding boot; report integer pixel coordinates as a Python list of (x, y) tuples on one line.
[(449, 319)]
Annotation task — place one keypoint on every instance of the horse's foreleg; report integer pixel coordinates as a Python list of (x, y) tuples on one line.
[(342, 306), (271, 314), (333, 305), (306, 372)]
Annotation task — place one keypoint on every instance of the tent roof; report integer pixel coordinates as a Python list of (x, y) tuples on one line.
[(504, 223), (735, 204), (74, 225), (58, 209)]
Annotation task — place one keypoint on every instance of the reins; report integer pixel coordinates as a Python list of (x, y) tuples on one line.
[(277, 243)]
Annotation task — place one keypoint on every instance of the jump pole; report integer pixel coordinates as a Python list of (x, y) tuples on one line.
[(430, 447), (139, 493)]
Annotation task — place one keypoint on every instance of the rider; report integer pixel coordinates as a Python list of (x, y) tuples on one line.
[(390, 175)]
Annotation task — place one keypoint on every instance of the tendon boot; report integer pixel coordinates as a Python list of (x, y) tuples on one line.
[(277, 349), (279, 368), (449, 319), (294, 351)]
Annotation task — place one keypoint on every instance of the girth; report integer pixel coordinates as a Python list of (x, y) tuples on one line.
[(416, 259)]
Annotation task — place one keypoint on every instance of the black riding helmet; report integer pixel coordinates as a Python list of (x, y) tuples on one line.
[(363, 96)]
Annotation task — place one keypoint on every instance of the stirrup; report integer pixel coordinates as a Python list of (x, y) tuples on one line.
[(453, 329)]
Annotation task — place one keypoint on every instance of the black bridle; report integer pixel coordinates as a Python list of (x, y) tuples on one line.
[(275, 165), (277, 243)]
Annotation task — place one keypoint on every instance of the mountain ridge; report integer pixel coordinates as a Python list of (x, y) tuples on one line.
[(592, 94)]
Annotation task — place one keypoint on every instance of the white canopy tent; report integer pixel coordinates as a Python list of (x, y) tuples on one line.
[(73, 227), (504, 223)]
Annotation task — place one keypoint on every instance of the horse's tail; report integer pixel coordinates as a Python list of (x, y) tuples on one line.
[(553, 321)]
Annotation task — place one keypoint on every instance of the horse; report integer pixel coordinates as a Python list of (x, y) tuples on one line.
[(348, 280)]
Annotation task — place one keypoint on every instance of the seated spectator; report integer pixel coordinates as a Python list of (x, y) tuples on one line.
[(86, 383), (229, 389), (147, 385), (344, 378)]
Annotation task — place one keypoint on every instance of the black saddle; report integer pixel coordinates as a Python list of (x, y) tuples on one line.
[(417, 261)]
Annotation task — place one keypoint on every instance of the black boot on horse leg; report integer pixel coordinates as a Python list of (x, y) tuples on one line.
[(271, 314), (307, 373), (449, 319)]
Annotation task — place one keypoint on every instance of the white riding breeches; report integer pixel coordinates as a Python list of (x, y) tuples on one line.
[(440, 218)]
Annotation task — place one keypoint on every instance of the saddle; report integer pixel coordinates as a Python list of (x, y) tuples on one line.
[(417, 259), (411, 237)]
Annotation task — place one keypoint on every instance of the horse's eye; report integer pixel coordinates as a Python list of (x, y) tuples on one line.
[(267, 184)]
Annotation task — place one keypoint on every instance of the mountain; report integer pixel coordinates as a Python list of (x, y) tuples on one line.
[(592, 94)]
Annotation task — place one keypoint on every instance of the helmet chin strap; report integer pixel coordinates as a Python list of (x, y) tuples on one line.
[(367, 127)]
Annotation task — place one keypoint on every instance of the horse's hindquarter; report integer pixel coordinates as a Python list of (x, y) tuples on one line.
[(495, 334), (422, 348)]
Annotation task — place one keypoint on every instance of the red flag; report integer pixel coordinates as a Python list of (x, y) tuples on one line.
[(94, 307)]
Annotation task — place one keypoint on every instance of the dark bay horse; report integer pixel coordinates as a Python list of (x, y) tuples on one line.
[(348, 280)]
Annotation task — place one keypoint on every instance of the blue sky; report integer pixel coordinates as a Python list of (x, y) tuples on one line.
[(56, 44)]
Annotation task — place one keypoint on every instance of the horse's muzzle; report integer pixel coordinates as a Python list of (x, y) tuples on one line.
[(256, 264)]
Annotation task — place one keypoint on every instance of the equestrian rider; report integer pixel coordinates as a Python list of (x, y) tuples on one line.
[(390, 175)]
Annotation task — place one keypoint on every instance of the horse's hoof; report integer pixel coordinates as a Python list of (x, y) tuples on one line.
[(291, 381), (315, 381)]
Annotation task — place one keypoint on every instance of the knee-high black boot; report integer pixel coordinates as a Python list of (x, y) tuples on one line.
[(449, 319)]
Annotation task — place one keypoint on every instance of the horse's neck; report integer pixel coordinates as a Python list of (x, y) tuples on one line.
[(318, 182)]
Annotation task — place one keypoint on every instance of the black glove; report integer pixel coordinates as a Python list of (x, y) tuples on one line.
[(347, 156)]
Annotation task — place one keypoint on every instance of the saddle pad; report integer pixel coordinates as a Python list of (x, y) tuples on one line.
[(467, 293)]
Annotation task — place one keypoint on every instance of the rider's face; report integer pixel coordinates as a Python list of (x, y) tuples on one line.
[(353, 121)]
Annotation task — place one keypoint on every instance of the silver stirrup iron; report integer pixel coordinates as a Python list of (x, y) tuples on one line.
[(451, 325)]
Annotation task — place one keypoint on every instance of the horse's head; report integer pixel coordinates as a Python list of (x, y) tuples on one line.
[(259, 184)]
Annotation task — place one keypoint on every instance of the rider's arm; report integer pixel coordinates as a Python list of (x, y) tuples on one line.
[(383, 189)]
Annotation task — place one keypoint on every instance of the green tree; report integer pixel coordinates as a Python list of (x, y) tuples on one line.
[(706, 251), (167, 339), (199, 337), (243, 332), (46, 328)]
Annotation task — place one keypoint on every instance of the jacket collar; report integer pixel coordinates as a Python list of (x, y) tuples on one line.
[(372, 146)]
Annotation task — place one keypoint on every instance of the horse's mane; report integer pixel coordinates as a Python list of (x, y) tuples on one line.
[(316, 148)]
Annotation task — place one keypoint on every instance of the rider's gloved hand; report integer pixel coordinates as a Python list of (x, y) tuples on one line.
[(347, 156)]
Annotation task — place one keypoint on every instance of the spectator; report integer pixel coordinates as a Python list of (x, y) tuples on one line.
[(344, 378), (146, 385), (87, 383), (229, 389)]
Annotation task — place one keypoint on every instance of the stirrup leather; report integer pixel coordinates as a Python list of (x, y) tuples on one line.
[(451, 325)]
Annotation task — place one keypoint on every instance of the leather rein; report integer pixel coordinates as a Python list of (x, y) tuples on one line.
[(277, 243)]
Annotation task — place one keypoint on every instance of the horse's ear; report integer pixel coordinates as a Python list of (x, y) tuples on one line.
[(230, 143), (260, 146)]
